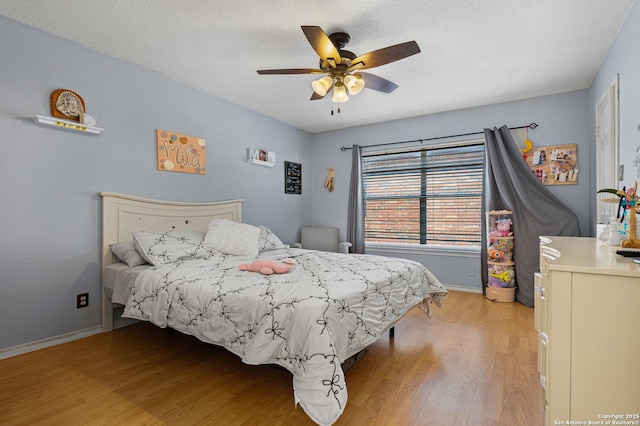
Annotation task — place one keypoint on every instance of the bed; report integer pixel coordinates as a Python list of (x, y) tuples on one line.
[(310, 320)]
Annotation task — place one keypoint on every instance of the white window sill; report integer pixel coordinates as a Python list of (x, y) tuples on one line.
[(422, 249)]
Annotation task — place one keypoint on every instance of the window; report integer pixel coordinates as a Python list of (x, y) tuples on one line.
[(428, 196)]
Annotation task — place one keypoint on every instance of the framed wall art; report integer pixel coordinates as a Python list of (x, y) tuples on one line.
[(67, 104), (180, 153), (292, 178)]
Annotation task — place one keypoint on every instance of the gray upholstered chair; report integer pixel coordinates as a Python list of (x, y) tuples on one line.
[(323, 238)]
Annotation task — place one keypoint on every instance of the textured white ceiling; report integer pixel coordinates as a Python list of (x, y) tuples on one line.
[(474, 52)]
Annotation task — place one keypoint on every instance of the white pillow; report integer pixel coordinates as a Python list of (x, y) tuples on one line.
[(172, 246), (127, 252), (235, 238), (269, 240)]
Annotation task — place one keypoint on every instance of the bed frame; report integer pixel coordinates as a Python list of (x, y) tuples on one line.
[(124, 214)]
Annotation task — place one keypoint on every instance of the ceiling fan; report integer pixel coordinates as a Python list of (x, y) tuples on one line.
[(342, 67)]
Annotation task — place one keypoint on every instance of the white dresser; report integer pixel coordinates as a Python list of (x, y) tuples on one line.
[(587, 313)]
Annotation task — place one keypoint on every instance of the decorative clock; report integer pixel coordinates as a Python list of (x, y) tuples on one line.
[(67, 104)]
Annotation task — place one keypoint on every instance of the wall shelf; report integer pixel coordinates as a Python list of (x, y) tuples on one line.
[(66, 124), (261, 162)]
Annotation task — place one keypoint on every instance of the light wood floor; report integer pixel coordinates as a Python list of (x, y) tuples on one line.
[(473, 363)]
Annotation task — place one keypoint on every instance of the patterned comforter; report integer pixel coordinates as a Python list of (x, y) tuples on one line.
[(308, 321)]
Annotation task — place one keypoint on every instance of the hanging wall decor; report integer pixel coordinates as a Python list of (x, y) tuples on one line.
[(180, 153), (67, 104), (328, 182), (292, 178), (555, 165)]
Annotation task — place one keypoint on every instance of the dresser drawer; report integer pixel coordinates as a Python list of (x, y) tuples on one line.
[(540, 304), (543, 344)]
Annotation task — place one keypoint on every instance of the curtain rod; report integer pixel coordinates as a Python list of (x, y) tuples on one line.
[(530, 126)]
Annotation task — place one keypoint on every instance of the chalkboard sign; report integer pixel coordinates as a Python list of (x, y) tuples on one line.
[(292, 178)]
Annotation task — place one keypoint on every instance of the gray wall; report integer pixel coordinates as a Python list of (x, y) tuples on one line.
[(622, 59), (50, 213), (49, 178), (562, 119)]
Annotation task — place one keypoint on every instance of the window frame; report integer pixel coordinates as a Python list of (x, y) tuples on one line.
[(422, 248)]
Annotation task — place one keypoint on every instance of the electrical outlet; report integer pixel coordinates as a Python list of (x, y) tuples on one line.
[(82, 300), (472, 272)]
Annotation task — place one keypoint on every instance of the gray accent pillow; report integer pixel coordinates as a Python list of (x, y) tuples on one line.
[(127, 252), (160, 248)]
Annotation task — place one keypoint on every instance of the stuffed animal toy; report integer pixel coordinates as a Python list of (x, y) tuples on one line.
[(501, 276), (269, 267), (503, 244), (494, 282), (504, 227), (495, 254)]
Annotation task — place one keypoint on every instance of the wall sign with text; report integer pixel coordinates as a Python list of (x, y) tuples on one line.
[(292, 178), (181, 153)]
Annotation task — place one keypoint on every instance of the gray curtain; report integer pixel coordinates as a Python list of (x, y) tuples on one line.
[(509, 184), (355, 225)]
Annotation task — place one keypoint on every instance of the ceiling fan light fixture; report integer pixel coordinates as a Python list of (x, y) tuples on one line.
[(340, 69), (339, 93), (322, 85), (354, 83)]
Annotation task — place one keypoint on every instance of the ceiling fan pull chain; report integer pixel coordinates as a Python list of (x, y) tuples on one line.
[(332, 104)]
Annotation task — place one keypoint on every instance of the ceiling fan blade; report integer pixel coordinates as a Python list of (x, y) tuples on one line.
[(291, 71), (321, 43), (385, 55), (380, 84)]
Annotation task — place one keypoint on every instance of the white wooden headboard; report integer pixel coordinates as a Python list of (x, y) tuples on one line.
[(124, 214)]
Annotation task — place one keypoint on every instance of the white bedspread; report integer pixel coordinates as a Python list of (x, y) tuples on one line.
[(118, 280), (308, 321)]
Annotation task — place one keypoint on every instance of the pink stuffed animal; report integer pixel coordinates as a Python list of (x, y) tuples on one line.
[(503, 229), (268, 267)]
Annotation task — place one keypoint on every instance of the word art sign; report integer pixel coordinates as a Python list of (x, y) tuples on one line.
[(292, 178), (180, 153)]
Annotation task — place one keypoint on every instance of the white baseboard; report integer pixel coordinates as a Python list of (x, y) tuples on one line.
[(124, 322), (463, 288), (75, 335), (50, 341)]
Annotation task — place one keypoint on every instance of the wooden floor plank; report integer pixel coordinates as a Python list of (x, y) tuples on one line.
[(473, 363)]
